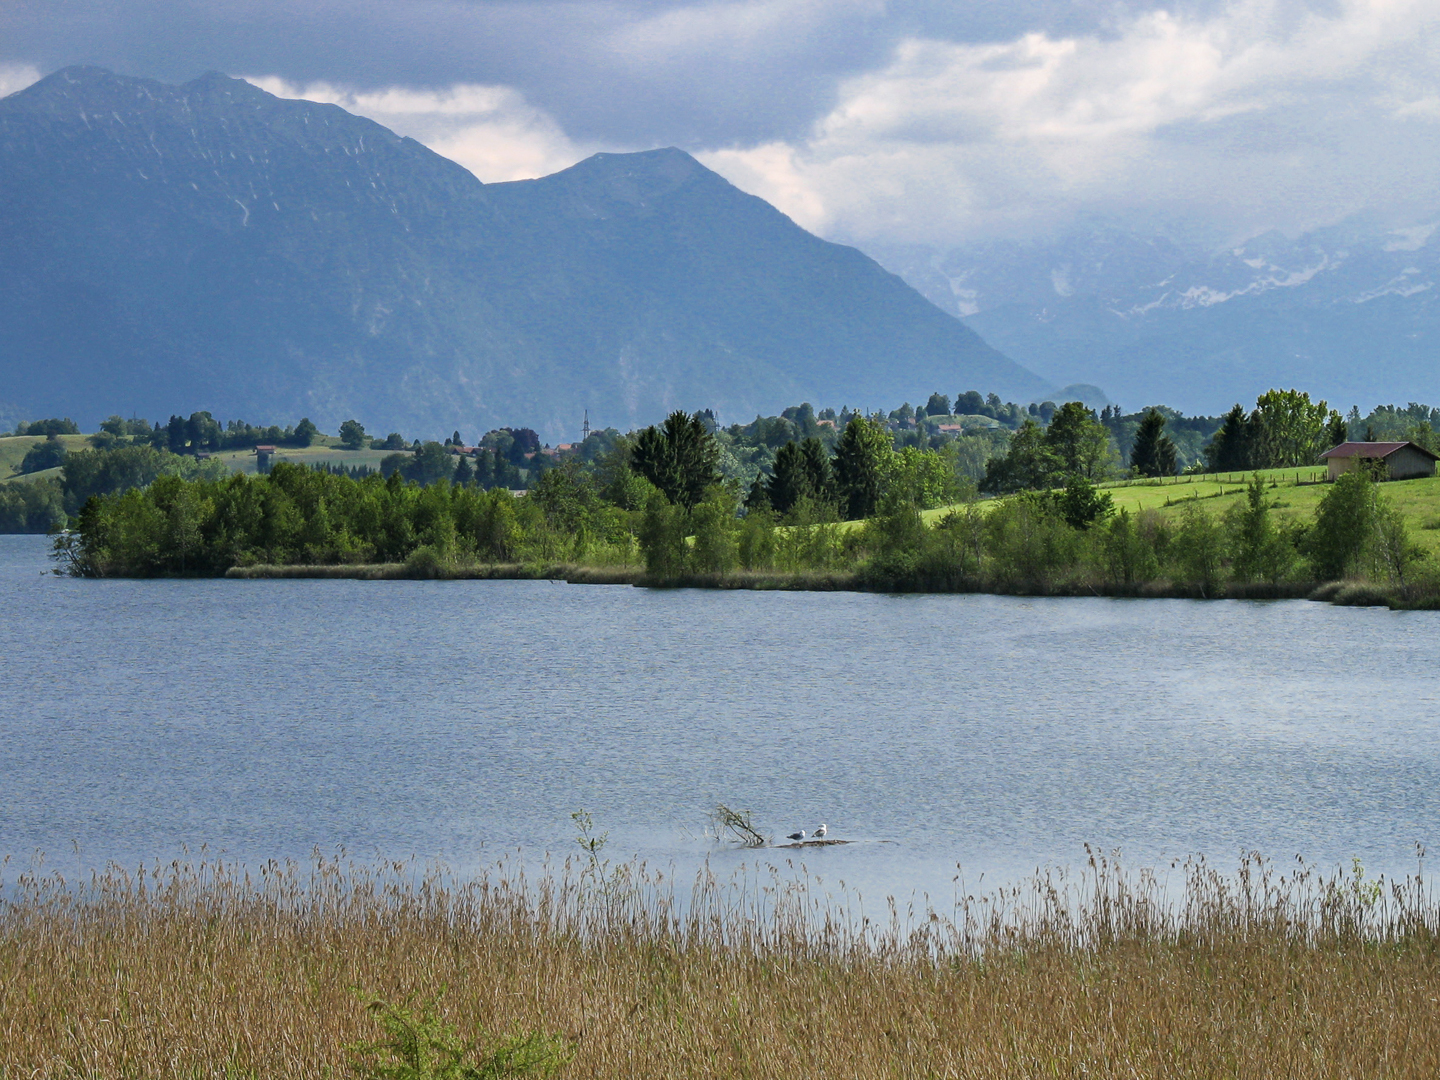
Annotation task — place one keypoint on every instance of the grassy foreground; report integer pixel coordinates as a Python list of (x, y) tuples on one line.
[(192, 971)]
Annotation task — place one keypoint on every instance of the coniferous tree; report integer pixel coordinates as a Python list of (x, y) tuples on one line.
[(790, 483), (861, 457), (1231, 450), (759, 497), (680, 458), (1337, 431), (464, 473), (1153, 453), (819, 474)]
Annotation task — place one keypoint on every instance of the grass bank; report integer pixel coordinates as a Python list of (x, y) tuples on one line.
[(190, 971)]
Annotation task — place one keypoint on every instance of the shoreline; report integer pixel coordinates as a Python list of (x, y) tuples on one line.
[(1341, 593)]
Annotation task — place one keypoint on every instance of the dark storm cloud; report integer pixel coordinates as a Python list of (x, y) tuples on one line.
[(631, 72)]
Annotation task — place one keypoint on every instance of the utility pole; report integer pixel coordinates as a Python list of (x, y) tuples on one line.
[(585, 428)]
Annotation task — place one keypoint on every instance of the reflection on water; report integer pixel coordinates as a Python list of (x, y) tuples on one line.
[(460, 721)]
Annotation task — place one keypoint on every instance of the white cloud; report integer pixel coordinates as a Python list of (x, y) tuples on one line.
[(491, 130), (16, 77), (1265, 114)]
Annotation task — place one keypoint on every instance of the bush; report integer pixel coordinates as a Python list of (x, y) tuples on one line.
[(53, 426), (49, 454), (418, 1045)]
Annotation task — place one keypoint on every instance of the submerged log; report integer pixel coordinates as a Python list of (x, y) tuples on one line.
[(814, 843)]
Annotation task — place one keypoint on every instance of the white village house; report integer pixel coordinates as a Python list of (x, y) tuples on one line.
[(1400, 460)]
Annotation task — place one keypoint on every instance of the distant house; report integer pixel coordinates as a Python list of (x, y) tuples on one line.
[(263, 454), (1400, 460), (951, 429)]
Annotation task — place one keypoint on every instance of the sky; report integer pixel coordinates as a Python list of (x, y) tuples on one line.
[(915, 121)]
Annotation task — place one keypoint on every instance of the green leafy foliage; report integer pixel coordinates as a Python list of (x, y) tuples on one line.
[(417, 1044), (49, 454)]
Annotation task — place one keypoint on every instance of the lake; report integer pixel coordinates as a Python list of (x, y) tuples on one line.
[(461, 721)]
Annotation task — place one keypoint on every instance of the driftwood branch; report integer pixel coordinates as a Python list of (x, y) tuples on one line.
[(738, 825)]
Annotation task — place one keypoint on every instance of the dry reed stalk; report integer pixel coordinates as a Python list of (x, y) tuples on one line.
[(207, 970)]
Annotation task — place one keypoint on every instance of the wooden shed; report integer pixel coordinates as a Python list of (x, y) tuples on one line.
[(1398, 460)]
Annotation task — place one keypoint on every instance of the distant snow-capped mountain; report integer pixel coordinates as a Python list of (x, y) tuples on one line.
[(1350, 313)]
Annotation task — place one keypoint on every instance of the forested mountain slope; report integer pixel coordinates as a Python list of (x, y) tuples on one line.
[(213, 246)]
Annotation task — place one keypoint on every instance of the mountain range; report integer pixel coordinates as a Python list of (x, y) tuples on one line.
[(171, 248), (1350, 313)]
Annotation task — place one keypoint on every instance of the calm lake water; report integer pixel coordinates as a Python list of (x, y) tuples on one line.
[(459, 721)]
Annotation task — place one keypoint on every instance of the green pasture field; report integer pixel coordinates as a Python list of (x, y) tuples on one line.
[(325, 451), (1293, 493), (14, 448)]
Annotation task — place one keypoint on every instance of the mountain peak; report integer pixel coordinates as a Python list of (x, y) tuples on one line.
[(218, 85)]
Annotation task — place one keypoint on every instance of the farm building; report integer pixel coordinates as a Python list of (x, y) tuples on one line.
[(1400, 460)]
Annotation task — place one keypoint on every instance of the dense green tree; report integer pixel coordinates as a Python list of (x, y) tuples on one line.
[(970, 403), (755, 539), (801, 471), (664, 527), (862, 459), (790, 483), (305, 432), (177, 435), (49, 454), (938, 405), (1289, 429), (31, 506), (679, 458), (1128, 551), (352, 435), (819, 472), (1337, 430), (202, 433), (759, 497), (464, 472), (923, 479), (1232, 447), (1197, 550), (1080, 443), (1153, 454), (1344, 525), (1082, 504), (430, 463), (1258, 550), (53, 426), (1028, 464)]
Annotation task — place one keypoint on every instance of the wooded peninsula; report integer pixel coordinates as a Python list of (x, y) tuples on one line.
[(1006, 499)]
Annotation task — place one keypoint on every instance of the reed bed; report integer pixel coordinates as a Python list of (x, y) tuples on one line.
[(210, 970)]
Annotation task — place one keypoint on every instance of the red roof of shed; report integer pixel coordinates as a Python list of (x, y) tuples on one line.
[(1372, 450)]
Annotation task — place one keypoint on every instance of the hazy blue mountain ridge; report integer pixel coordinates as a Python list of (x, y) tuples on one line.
[(213, 246), (1349, 313)]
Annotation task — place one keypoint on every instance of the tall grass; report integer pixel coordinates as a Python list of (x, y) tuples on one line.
[(210, 970)]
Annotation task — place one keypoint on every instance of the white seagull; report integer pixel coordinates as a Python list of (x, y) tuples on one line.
[(821, 831), (796, 835)]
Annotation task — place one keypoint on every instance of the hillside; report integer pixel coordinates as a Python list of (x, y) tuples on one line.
[(213, 246)]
